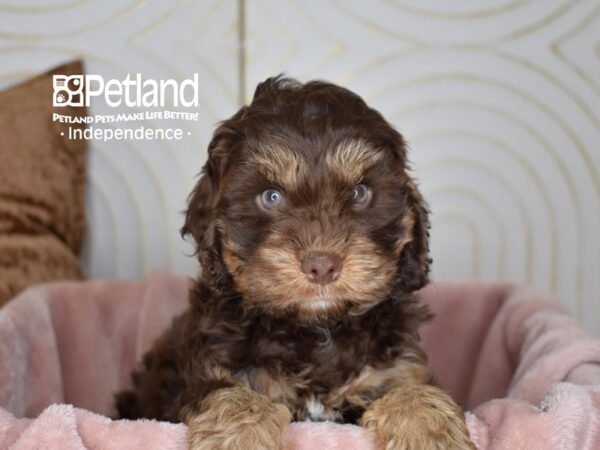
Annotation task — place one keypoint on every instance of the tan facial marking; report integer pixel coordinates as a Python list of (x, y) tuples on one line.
[(230, 258), (273, 272), (280, 165), (408, 223), (351, 159)]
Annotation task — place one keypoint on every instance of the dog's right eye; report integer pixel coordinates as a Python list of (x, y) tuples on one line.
[(270, 199)]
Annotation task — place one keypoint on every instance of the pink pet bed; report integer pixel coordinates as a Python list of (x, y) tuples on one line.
[(527, 374)]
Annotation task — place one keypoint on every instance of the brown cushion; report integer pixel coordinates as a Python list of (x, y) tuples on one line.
[(42, 186)]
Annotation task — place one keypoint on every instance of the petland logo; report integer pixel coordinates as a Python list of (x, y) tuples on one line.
[(142, 115), (78, 90)]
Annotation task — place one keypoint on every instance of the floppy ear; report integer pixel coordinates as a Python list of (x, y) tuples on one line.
[(414, 261), (413, 266), (202, 215)]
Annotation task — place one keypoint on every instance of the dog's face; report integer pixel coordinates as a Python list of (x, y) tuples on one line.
[(305, 207)]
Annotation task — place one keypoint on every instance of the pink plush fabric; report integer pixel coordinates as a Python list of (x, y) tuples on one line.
[(527, 373)]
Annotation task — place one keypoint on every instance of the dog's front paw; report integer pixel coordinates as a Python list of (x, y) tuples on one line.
[(238, 419), (417, 417)]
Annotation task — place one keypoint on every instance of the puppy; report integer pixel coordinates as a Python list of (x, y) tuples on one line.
[(312, 238)]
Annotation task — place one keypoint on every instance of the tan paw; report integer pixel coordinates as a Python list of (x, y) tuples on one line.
[(238, 419), (417, 417)]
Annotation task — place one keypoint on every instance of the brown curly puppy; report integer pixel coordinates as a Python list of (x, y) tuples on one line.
[(312, 238)]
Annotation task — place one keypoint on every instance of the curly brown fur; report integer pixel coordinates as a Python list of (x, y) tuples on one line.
[(417, 417), (238, 418), (320, 342)]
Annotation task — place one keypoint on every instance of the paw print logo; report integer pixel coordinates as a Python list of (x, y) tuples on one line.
[(68, 90)]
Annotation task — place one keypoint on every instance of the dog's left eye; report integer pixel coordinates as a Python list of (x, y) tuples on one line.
[(269, 199), (362, 196)]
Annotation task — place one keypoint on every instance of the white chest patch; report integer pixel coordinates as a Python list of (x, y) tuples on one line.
[(316, 412)]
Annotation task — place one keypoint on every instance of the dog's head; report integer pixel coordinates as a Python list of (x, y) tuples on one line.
[(305, 205)]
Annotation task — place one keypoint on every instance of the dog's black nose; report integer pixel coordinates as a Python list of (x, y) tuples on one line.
[(322, 268)]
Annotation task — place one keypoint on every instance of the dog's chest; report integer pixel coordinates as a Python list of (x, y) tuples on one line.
[(343, 401), (316, 411), (320, 373), (307, 398), (321, 382)]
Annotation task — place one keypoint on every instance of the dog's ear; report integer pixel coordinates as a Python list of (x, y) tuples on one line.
[(413, 266), (414, 262), (202, 220)]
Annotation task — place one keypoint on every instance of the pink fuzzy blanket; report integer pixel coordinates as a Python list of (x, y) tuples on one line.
[(527, 373)]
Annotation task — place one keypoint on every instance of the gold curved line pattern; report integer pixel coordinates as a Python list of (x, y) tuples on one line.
[(522, 208), (163, 200), (97, 186), (576, 29), (214, 73), (556, 81), (156, 23), (339, 46), (41, 9), (480, 200), (161, 62), (242, 50), (410, 8), (149, 170), (286, 37), (187, 177), (135, 4), (545, 144), (461, 76), (207, 106), (465, 221), (530, 170), (195, 144), (375, 27), (354, 73), (555, 157), (564, 9), (556, 50), (16, 47), (369, 24), (135, 201)]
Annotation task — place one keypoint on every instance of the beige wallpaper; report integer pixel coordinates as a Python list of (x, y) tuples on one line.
[(500, 101)]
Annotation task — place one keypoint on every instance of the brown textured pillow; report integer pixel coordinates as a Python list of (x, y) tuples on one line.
[(42, 186)]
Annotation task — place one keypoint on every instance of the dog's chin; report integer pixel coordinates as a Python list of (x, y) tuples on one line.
[(318, 309), (314, 310), (314, 305)]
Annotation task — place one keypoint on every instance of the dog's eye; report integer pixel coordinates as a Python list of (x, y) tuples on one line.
[(362, 196), (270, 199)]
